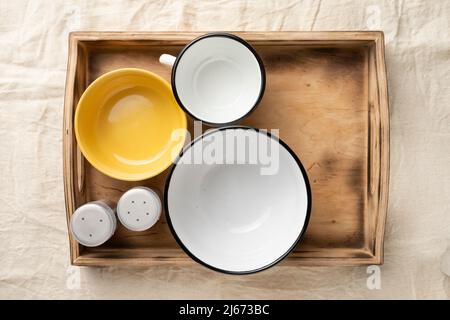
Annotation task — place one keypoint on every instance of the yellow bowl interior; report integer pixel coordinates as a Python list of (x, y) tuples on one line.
[(128, 124)]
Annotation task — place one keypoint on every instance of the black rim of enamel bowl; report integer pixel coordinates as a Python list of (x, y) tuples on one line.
[(188, 252)]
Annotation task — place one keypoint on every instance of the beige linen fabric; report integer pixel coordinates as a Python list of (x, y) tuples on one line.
[(34, 255)]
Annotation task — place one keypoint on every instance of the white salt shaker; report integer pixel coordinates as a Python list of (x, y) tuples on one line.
[(93, 224), (139, 208)]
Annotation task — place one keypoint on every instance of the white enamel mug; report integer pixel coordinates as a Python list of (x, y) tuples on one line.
[(217, 78)]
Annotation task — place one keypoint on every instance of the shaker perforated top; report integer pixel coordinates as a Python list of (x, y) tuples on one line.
[(139, 208), (93, 224)]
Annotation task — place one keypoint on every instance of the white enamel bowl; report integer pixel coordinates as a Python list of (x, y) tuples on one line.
[(230, 217), (218, 78)]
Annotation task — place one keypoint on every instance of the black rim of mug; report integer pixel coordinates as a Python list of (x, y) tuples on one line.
[(248, 46)]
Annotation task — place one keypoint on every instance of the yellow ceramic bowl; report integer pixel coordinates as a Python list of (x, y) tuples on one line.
[(128, 124)]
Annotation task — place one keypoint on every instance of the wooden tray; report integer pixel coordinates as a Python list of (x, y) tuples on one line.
[(326, 92)]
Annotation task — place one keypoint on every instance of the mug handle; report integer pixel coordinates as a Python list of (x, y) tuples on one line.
[(167, 59)]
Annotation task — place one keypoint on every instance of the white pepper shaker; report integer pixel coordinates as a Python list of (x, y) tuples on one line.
[(93, 223), (139, 208)]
